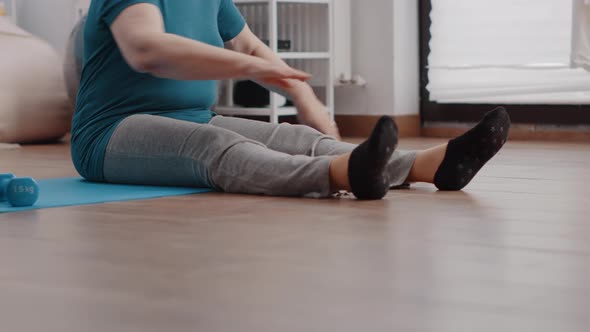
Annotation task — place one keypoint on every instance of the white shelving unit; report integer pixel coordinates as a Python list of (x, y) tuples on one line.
[(301, 30)]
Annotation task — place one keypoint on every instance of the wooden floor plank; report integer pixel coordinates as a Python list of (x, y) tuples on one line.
[(510, 253)]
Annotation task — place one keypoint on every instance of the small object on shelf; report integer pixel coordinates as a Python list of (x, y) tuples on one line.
[(282, 44), (19, 192), (251, 94)]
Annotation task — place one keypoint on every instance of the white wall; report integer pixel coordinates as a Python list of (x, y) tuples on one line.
[(51, 20), (406, 58), (385, 53), (372, 54)]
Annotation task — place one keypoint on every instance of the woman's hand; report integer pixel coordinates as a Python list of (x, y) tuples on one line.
[(275, 74), (310, 110)]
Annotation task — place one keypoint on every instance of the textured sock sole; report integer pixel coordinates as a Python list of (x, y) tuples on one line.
[(368, 162), (467, 154)]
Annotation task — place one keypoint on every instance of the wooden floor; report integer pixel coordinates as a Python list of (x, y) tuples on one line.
[(510, 253)]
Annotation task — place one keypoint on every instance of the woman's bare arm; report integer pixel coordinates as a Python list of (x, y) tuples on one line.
[(140, 35), (311, 110)]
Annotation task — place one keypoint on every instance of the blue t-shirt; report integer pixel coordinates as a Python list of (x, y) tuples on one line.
[(110, 90)]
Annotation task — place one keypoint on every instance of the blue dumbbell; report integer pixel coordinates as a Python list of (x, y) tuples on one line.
[(18, 192)]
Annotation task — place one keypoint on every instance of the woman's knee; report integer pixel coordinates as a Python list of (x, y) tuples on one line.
[(305, 130), (312, 137)]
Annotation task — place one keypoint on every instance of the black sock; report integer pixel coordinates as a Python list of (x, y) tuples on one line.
[(467, 154), (367, 168)]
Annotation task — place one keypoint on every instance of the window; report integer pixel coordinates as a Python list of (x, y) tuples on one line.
[(479, 53)]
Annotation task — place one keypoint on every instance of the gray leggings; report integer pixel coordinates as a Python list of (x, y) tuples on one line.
[(231, 155)]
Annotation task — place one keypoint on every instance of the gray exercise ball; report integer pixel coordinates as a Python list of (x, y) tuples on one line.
[(73, 59)]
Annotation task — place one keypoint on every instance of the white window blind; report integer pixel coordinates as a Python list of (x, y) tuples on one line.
[(504, 51)]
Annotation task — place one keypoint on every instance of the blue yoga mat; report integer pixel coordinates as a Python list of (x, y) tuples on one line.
[(76, 191)]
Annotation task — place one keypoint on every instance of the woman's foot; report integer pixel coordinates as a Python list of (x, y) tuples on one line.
[(426, 164), (367, 166), (467, 154)]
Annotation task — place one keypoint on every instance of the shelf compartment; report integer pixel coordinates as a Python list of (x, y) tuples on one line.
[(304, 24), (304, 55), (281, 1), (254, 111)]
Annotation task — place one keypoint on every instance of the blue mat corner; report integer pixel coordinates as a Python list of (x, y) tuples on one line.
[(77, 191)]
